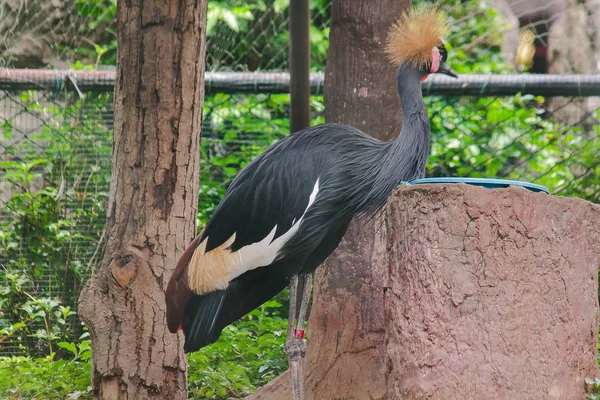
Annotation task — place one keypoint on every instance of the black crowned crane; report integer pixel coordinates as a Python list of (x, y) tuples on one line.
[(289, 208)]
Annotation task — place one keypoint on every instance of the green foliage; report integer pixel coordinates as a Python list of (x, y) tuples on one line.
[(235, 16), (23, 377), (248, 354), (512, 137), (101, 16), (59, 207), (46, 376), (475, 38), (254, 33), (56, 216), (256, 37), (34, 323), (593, 388)]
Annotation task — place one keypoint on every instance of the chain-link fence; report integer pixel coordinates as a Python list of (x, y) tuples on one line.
[(248, 36), (55, 157), (55, 33), (535, 35), (56, 125), (55, 164)]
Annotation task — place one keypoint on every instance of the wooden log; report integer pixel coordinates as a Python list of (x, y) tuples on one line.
[(279, 388), (493, 294)]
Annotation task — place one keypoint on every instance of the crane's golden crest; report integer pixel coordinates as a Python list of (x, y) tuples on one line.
[(411, 39)]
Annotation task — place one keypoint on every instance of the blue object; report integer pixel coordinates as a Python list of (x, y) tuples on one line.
[(485, 182)]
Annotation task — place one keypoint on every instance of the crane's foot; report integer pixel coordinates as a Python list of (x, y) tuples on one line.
[(295, 348)]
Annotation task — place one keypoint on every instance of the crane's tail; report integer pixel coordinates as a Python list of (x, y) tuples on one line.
[(206, 315), (178, 291), (195, 314), (200, 320)]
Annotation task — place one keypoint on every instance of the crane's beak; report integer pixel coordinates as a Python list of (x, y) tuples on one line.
[(446, 70)]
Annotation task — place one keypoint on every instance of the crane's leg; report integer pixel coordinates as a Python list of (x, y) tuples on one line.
[(291, 336), (307, 278), (295, 346)]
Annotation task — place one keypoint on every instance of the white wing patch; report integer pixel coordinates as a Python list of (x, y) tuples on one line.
[(214, 270)]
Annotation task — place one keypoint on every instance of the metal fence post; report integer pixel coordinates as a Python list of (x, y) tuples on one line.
[(299, 64)]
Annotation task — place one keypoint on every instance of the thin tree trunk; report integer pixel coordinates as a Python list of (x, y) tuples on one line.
[(345, 357), (153, 199)]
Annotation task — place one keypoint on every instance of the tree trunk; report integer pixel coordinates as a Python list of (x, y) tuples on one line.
[(346, 337), (493, 294), (153, 199), (580, 24)]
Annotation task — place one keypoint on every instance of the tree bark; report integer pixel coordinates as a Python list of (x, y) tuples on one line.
[(492, 294), (360, 82), (153, 199), (580, 24)]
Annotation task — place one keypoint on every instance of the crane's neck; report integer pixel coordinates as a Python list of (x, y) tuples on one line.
[(408, 153), (401, 160), (405, 158)]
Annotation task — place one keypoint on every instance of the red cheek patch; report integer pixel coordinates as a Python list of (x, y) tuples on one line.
[(424, 77), (435, 60)]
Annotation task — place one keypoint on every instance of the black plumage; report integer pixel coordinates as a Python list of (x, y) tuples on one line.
[(290, 207), (274, 189), (356, 174)]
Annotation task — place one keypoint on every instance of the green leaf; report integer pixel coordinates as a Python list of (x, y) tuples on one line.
[(280, 5), (231, 20), (68, 346)]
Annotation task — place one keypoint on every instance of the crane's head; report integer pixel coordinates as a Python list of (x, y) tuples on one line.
[(416, 42)]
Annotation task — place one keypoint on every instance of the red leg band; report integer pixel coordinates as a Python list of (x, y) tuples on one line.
[(299, 333)]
